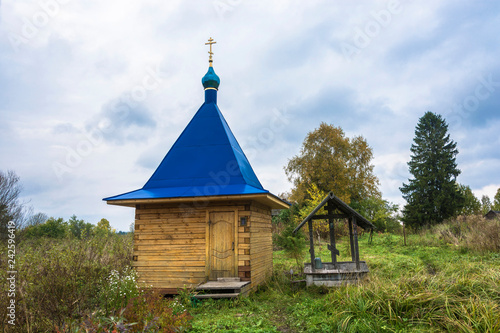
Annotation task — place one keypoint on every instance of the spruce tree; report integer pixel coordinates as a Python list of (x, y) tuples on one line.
[(496, 201), (432, 195)]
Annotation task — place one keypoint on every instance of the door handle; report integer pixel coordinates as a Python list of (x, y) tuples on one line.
[(233, 246)]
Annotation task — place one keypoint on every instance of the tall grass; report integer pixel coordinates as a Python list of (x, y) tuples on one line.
[(59, 279), (427, 286), (85, 285), (471, 232), (446, 279)]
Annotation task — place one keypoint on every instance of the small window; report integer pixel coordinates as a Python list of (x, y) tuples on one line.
[(243, 221)]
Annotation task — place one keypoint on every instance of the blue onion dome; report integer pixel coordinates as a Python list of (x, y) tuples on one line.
[(210, 80)]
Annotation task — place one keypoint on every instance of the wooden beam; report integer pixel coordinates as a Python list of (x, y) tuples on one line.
[(332, 247), (267, 199), (351, 240), (356, 247), (308, 218), (327, 216), (311, 244)]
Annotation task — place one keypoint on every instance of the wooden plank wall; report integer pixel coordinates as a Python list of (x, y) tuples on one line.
[(261, 244), (170, 243)]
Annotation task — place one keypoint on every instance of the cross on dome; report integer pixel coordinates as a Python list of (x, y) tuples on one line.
[(210, 42)]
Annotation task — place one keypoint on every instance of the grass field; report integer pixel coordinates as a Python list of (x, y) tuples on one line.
[(426, 286), (447, 279)]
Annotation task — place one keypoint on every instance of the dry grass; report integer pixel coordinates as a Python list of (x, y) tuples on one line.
[(474, 233)]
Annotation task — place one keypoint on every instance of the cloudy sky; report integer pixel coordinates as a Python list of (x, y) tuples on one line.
[(94, 93)]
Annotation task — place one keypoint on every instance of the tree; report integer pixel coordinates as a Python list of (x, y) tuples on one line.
[(333, 162), (432, 195), (52, 228), (79, 228), (11, 208), (293, 244), (103, 227), (380, 212), (485, 204), (470, 204), (496, 201), (36, 219), (314, 198)]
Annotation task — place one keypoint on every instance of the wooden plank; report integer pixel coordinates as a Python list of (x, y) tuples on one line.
[(172, 221), (171, 263), (155, 274), (208, 244), (171, 241), (171, 281), (258, 243), (161, 249), (186, 257), (269, 200), (199, 227), (168, 269), (236, 242), (143, 236), (167, 250), (171, 286), (153, 251), (176, 212)]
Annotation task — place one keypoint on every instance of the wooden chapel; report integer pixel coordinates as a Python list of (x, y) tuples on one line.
[(203, 215)]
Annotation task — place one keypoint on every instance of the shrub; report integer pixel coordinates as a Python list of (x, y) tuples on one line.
[(292, 244), (117, 290), (59, 279), (153, 313)]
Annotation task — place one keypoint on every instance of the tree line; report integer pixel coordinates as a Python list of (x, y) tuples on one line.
[(30, 225), (330, 161)]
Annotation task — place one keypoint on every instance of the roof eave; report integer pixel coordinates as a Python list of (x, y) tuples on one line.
[(267, 199), (342, 206)]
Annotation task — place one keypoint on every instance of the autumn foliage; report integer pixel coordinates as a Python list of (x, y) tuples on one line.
[(333, 162)]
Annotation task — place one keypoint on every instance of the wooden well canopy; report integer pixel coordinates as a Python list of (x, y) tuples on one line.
[(336, 209)]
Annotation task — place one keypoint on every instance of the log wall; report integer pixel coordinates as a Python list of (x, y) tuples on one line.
[(171, 243)]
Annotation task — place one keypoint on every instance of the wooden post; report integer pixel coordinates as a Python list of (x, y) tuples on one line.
[(351, 239), (355, 236), (311, 243), (332, 247), (404, 233)]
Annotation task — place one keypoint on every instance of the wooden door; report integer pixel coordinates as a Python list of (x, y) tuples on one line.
[(222, 245)]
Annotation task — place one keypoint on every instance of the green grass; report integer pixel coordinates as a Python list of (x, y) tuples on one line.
[(426, 286)]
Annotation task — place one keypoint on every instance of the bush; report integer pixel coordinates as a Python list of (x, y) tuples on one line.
[(117, 290), (59, 280), (293, 244)]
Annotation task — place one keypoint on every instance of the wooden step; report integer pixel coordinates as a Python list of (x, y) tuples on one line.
[(218, 285), (233, 295), (228, 279), (223, 288)]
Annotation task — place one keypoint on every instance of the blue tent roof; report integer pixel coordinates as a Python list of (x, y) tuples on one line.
[(206, 160)]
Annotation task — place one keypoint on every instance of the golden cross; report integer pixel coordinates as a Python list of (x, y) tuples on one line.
[(210, 42)]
